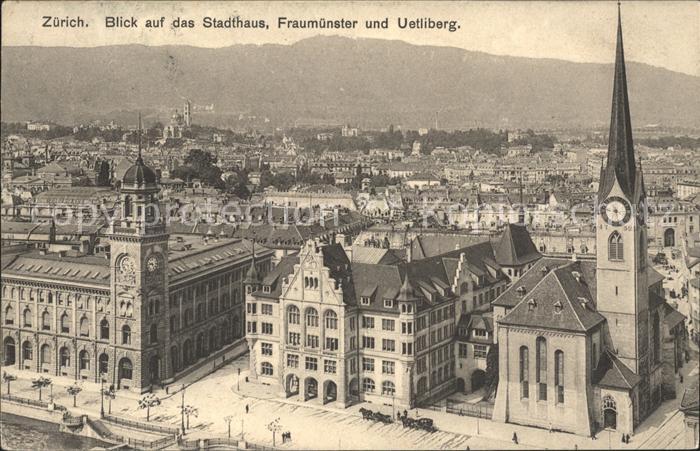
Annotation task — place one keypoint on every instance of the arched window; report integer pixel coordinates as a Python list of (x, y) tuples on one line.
[(311, 317), (46, 321), (84, 359), (9, 315), (189, 317), (609, 403), (175, 358), (104, 329), (615, 247), (524, 372), (559, 375), (293, 314), (64, 354), (104, 363), (154, 333), (266, 369), (65, 324), (125, 368), (45, 354), (126, 335), (656, 347), (388, 388), (422, 385), (84, 327), (331, 319), (27, 316), (367, 385), (27, 351), (541, 350)]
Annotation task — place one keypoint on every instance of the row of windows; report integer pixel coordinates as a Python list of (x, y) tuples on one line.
[(541, 371), (311, 317), (61, 298), (83, 329), (84, 360)]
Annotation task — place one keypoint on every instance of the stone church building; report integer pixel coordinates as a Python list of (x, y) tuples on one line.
[(592, 344)]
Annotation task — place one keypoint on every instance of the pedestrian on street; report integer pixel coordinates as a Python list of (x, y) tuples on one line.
[(405, 413), (246, 408), (627, 437), (681, 378), (623, 438), (515, 438)]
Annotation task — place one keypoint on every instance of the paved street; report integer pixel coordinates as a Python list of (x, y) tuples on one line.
[(216, 396)]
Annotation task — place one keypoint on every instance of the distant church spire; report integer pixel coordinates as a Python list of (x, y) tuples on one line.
[(620, 163)]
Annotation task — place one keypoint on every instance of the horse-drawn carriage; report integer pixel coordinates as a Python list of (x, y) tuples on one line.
[(425, 424), (376, 416)]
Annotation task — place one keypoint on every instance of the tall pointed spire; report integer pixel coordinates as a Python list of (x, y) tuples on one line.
[(620, 164)]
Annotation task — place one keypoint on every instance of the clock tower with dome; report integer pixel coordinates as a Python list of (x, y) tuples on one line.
[(138, 255)]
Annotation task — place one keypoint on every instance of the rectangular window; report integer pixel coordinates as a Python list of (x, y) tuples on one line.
[(266, 348), (266, 309), (367, 364), (294, 338), (407, 348), (331, 344), (251, 308), (388, 345), (312, 341), (524, 373), (353, 366), (311, 363), (368, 342), (387, 367), (353, 343), (388, 303), (368, 322), (266, 328), (329, 366), (480, 351), (480, 333), (252, 327), (463, 350), (388, 324), (407, 328), (292, 361)]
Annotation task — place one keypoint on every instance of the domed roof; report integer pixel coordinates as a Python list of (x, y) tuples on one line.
[(139, 174)]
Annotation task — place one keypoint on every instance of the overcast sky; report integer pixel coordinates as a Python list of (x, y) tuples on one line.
[(665, 34)]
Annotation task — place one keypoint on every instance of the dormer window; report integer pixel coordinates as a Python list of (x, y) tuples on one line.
[(388, 303), (266, 288), (584, 302), (557, 307), (364, 300), (521, 291), (531, 304)]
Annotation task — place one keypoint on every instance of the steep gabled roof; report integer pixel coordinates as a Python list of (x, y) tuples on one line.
[(562, 300), (515, 247)]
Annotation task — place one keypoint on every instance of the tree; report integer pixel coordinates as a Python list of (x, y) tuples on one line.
[(73, 391), (110, 393), (148, 401), (190, 410), (7, 378), (40, 383), (103, 176), (274, 427), (228, 420)]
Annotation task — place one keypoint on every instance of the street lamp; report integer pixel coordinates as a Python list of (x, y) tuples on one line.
[(102, 397), (182, 410)]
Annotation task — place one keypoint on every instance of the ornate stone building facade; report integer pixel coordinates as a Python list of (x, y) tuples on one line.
[(150, 310)]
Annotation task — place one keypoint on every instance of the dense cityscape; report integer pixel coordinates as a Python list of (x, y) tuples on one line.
[(168, 284)]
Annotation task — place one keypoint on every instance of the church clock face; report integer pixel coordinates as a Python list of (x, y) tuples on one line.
[(152, 264), (615, 211)]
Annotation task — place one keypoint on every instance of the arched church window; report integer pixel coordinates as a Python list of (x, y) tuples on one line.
[(615, 246)]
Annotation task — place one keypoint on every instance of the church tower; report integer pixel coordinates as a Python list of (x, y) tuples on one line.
[(139, 259), (622, 287)]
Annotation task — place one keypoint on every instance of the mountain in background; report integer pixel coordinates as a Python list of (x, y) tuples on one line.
[(333, 80)]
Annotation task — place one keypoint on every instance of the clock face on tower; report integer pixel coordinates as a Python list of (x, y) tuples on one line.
[(152, 264), (615, 211), (126, 266)]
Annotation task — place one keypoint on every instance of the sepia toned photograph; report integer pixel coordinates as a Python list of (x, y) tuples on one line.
[(350, 225)]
